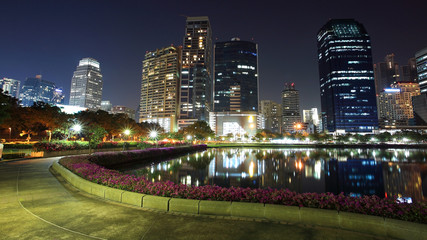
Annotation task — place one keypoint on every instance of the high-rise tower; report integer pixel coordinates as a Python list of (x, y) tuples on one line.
[(347, 87), (159, 87), (236, 68), (386, 73), (290, 108), (196, 79), (420, 102), (36, 90), (86, 85)]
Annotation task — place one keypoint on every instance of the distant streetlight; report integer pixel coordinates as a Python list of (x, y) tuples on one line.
[(77, 128), (127, 132), (10, 134), (188, 137), (153, 134)]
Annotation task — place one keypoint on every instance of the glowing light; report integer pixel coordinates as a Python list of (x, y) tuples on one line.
[(127, 132), (77, 128), (153, 134)]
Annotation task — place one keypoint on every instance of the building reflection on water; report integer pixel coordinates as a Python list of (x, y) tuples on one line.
[(354, 172)]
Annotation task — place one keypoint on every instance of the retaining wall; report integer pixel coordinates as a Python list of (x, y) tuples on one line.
[(374, 225)]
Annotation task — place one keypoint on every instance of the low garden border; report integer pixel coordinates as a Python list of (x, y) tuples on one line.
[(375, 225)]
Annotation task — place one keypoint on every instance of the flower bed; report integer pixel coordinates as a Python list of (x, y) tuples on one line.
[(86, 167)]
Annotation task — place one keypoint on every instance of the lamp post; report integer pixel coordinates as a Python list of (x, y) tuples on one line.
[(10, 134), (126, 133)]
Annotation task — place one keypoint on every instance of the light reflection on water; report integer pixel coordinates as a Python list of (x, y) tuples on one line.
[(357, 172)]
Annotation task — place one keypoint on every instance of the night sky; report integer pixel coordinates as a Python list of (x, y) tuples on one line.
[(50, 37)]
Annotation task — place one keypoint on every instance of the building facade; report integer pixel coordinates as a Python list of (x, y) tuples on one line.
[(236, 76), (395, 104), (420, 102), (160, 87), (272, 114), (386, 73), (123, 110), (290, 108), (36, 90), (239, 124), (10, 87), (196, 80), (408, 73), (106, 106), (347, 86), (86, 85)]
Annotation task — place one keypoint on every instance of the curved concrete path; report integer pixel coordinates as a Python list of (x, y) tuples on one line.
[(34, 204)]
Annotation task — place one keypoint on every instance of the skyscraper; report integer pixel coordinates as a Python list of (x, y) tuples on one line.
[(386, 73), (196, 80), (347, 87), (160, 87), (86, 85), (37, 90), (408, 73), (10, 86), (420, 102), (236, 68), (290, 108), (272, 113)]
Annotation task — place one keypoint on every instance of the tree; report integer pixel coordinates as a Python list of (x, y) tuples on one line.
[(94, 133), (200, 130)]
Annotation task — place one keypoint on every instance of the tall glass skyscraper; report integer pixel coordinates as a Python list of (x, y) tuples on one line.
[(196, 79), (236, 76), (37, 90), (347, 87), (160, 87), (86, 85)]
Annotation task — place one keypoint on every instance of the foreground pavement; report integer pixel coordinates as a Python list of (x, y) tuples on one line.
[(34, 204)]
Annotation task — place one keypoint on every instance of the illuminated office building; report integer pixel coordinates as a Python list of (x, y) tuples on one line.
[(196, 80), (160, 87), (236, 76), (290, 108), (272, 113), (420, 102), (86, 85), (347, 87), (10, 86), (395, 103), (37, 90)]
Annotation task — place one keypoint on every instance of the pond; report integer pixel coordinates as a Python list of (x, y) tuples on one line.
[(355, 172)]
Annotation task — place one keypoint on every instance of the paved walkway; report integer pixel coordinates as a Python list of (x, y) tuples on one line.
[(34, 204)]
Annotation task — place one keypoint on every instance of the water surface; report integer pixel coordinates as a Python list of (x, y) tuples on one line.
[(356, 172)]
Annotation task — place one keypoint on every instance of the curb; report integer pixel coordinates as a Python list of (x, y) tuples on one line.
[(374, 225)]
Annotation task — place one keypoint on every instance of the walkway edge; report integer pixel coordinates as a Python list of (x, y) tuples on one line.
[(373, 225)]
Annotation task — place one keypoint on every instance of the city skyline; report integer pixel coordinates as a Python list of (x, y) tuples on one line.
[(119, 43)]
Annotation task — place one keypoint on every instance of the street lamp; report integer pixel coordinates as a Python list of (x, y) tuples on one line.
[(153, 135), (76, 128), (10, 134)]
